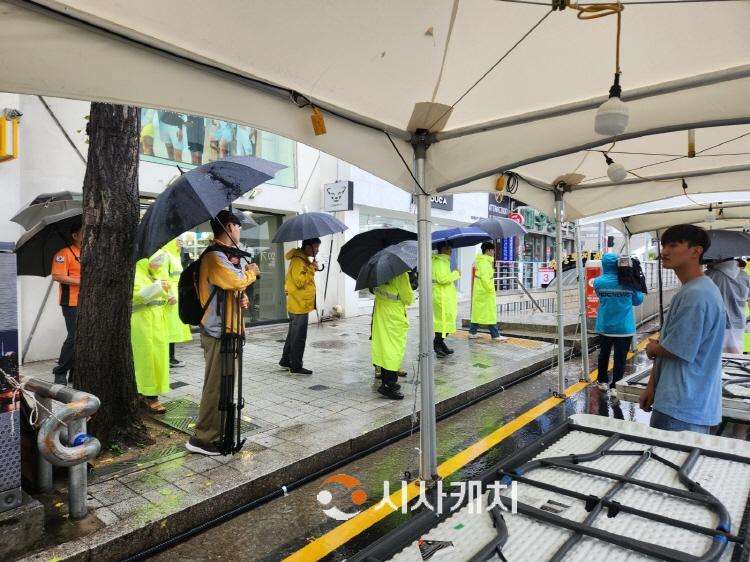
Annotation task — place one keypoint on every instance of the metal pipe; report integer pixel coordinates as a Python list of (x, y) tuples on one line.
[(559, 284), (427, 422), (523, 287), (582, 304), (27, 343), (44, 467), (77, 480)]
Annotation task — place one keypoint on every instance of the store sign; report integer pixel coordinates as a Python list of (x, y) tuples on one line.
[(498, 206), (593, 270), (338, 196), (537, 221), (508, 249), (544, 276), (444, 202), (518, 217)]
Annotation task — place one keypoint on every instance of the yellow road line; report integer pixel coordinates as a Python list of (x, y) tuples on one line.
[(333, 539)]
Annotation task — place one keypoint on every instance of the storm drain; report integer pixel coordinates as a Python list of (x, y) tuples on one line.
[(182, 415)]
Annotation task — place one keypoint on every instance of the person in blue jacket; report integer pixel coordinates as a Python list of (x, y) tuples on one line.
[(615, 321)]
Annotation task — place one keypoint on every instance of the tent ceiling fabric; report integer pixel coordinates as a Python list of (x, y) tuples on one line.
[(373, 62), (728, 216)]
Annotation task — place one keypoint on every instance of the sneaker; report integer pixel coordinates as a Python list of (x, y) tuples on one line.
[(390, 392), (394, 386), (499, 338), (61, 379), (284, 365), (603, 386), (176, 363), (301, 371), (440, 353), (448, 350), (195, 446), (474, 336)]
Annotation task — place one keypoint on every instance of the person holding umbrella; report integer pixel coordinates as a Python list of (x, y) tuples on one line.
[(66, 270), (178, 331), (444, 301), (390, 325), (221, 287), (149, 332), (299, 288), (483, 303)]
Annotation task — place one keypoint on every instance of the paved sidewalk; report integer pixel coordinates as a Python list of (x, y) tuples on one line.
[(304, 424)]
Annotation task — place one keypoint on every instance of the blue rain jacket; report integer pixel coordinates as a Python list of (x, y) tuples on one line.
[(615, 316)]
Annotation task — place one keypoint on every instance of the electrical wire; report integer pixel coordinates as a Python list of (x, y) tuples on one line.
[(501, 59), (405, 164), (664, 154)]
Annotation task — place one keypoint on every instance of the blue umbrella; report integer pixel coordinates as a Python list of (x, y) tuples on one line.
[(308, 225), (461, 236), (197, 196)]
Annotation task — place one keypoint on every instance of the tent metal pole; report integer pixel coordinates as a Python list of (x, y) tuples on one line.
[(427, 421), (27, 343), (633, 341), (559, 283), (582, 304), (661, 288)]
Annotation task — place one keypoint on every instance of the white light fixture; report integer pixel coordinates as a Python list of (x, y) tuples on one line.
[(710, 216), (616, 172), (612, 116)]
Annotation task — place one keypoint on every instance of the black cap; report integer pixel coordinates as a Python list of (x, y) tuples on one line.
[(222, 219)]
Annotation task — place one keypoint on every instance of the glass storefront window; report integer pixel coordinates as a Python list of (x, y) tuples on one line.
[(170, 137), (268, 303)]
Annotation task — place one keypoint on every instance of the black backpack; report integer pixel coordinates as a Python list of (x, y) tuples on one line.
[(189, 303), (630, 274)]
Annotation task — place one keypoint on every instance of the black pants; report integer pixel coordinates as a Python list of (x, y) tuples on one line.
[(621, 345), (294, 346), (388, 378), (65, 362), (438, 342)]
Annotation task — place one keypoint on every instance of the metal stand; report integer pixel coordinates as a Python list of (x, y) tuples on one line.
[(582, 306), (559, 286), (427, 421), (27, 343)]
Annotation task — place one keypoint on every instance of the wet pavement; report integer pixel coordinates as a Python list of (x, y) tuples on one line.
[(296, 426), (283, 526)]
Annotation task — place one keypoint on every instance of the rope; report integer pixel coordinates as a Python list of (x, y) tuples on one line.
[(20, 388), (590, 12)]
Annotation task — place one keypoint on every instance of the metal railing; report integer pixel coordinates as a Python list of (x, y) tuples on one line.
[(62, 439)]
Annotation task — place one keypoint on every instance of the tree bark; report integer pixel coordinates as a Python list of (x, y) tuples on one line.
[(103, 353)]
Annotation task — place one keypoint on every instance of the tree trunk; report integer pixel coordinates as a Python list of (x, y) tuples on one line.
[(103, 353)]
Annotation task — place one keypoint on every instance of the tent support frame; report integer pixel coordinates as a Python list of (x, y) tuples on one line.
[(559, 285), (427, 420), (582, 305)]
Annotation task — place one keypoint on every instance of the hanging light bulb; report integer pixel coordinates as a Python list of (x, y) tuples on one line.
[(613, 115), (615, 172), (710, 216)]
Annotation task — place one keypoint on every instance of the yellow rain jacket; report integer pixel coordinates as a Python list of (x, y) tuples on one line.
[(444, 302), (148, 331), (483, 303), (170, 272), (390, 323), (300, 283)]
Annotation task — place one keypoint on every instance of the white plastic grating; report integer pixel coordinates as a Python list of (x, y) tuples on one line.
[(531, 540)]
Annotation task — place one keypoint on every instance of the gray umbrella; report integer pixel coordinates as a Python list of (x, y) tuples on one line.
[(45, 205), (36, 248), (727, 244), (500, 228), (197, 196), (308, 225), (387, 264)]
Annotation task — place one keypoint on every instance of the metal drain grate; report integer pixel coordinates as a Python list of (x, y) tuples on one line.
[(177, 384), (182, 415), (319, 387)]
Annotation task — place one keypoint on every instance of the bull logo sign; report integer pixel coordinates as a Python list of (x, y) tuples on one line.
[(338, 196)]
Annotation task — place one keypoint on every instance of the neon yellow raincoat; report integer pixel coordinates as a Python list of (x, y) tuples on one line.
[(444, 303), (483, 303), (170, 272), (390, 323), (148, 329)]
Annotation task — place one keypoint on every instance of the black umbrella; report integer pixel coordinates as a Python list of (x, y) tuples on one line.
[(500, 228), (197, 196), (355, 253), (37, 247), (387, 264), (308, 225), (45, 205)]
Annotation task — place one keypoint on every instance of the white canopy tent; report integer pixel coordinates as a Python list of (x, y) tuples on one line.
[(726, 216), (395, 67)]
